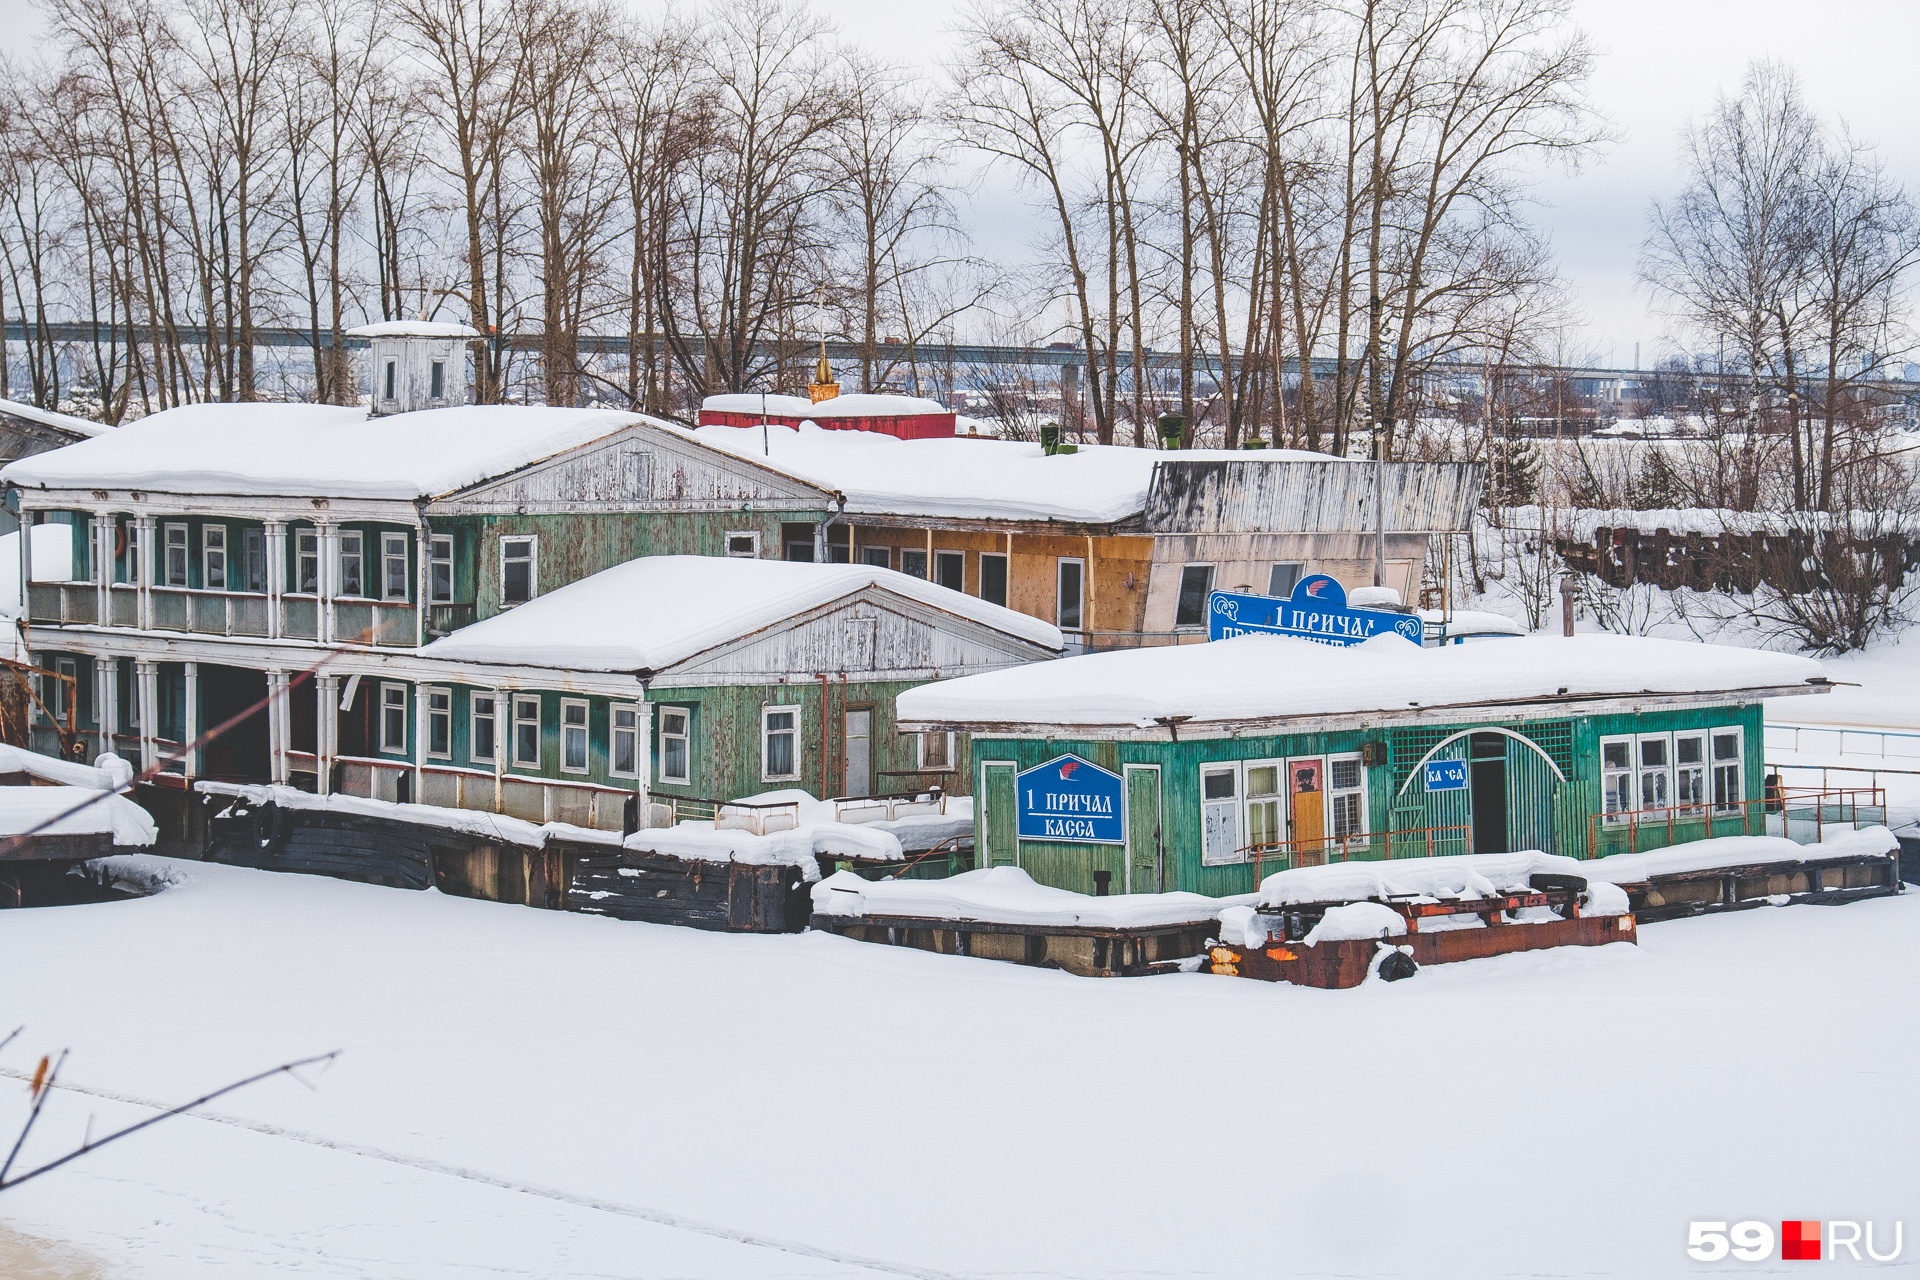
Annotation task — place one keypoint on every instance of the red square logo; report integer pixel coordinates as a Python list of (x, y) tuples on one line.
[(1800, 1241)]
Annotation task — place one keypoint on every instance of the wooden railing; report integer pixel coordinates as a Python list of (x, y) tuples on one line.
[(1794, 811)]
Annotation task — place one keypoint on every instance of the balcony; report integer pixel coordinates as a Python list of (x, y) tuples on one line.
[(208, 613), (76, 603), (445, 619), (228, 613), (373, 622)]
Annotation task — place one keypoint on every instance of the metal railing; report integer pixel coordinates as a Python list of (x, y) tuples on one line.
[(1083, 640), (1800, 814), (1373, 846), (1848, 742)]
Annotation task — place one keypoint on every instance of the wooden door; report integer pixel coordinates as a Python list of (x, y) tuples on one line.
[(1146, 856), (996, 825), (1307, 809)]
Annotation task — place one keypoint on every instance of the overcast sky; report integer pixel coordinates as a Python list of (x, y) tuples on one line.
[(1661, 63)]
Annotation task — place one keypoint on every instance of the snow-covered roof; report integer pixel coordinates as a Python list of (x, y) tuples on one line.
[(651, 613), (1005, 895), (107, 773), (856, 405), (58, 421), (316, 450), (967, 478), (1272, 677), (22, 809), (414, 329)]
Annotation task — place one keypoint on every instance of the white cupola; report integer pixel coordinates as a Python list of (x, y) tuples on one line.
[(416, 364)]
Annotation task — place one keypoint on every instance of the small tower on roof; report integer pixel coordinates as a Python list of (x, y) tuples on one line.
[(416, 364), (823, 387)]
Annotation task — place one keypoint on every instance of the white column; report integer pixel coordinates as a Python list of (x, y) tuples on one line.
[(276, 574), (502, 744), (276, 726), (326, 726), (104, 672), (191, 765), (102, 544), (147, 690), (643, 749), (422, 585), (143, 571), (327, 540), (419, 737)]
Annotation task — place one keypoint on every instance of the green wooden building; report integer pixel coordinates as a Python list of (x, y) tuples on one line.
[(1242, 757)]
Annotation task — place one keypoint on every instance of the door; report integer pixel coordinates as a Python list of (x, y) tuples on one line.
[(1146, 856), (1487, 774), (859, 753), (997, 818), (1307, 809)]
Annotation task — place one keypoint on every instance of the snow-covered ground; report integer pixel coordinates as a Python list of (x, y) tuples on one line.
[(526, 1093)]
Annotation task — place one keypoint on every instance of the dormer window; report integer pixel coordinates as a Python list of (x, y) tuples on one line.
[(391, 366)]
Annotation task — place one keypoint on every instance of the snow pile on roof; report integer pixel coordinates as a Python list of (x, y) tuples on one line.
[(137, 873), (1466, 875), (1468, 622), (48, 418), (1739, 851), (1005, 895), (847, 406), (493, 826), (1356, 921), (22, 809), (966, 478), (651, 613), (922, 826), (414, 329), (1261, 676), (107, 772), (316, 450)]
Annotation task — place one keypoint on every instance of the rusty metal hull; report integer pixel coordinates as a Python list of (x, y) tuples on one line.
[(1339, 965)]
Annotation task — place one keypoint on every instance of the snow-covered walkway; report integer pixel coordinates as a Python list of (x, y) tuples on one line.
[(533, 1094)]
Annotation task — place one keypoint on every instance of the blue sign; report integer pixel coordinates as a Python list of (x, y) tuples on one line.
[(1317, 611), (1446, 775), (1071, 799)]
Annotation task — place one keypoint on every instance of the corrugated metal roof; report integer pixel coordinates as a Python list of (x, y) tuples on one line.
[(1288, 496)]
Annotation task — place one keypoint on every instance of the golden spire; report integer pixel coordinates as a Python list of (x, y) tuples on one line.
[(823, 386)]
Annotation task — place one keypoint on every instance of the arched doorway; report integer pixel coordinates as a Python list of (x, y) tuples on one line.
[(1510, 802)]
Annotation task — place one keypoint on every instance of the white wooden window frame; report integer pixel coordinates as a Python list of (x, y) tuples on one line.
[(941, 558), (576, 731), (213, 552), (684, 737), (1660, 775), (173, 538), (437, 380), (475, 717), (520, 702), (440, 718), (393, 555), (391, 380), (1213, 573), (1736, 765), (306, 550), (1283, 812), (628, 733), (1006, 582), (439, 553), (1339, 796), (1692, 793), (1211, 855), (751, 539), (767, 712), (947, 743), (532, 541), (1299, 571), (868, 556), (253, 553), (353, 551), (394, 706), (1618, 781)]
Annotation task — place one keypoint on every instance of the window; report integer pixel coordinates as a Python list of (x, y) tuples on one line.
[(936, 752), (1072, 584), (175, 566), (53, 690), (799, 551), (777, 733), (518, 581), (993, 579), (440, 567), (1281, 577), (950, 569), (351, 562), (1219, 816), (213, 557), (1656, 772), (393, 717), (440, 723), (526, 732), (1690, 771), (393, 566), (913, 563), (674, 757), (1266, 807), (253, 555), (839, 553), (1616, 776), (623, 757), (878, 557), (573, 736), (480, 739), (307, 562), (390, 372), (439, 380), (745, 546), (1727, 791), (1196, 580), (1347, 797)]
